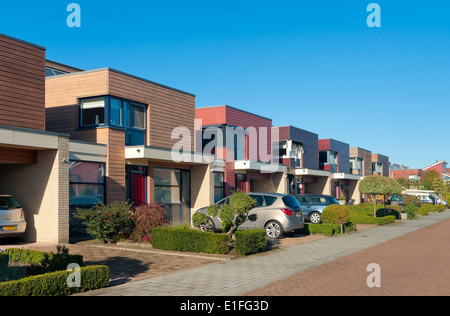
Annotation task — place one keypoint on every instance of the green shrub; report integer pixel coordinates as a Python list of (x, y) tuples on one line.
[(327, 229), (369, 219), (108, 223), (332, 214), (249, 242), (199, 219), (189, 240), (411, 211), (43, 262), (383, 212), (55, 283)]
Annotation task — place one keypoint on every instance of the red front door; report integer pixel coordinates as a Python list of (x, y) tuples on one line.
[(138, 187)]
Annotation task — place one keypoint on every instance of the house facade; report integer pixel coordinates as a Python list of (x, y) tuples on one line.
[(135, 121), (241, 142), (33, 162)]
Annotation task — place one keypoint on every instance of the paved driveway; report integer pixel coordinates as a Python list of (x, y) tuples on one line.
[(245, 275)]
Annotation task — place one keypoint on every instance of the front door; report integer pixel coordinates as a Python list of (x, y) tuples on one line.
[(137, 185)]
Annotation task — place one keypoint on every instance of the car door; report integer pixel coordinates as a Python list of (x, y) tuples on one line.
[(305, 204), (259, 211)]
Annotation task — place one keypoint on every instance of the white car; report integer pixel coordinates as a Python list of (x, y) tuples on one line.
[(12, 217)]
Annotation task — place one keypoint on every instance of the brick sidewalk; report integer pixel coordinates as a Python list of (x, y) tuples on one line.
[(417, 263)]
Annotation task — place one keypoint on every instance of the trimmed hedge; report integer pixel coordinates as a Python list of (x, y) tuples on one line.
[(189, 240), (55, 283), (249, 242), (327, 229), (42, 262), (365, 219)]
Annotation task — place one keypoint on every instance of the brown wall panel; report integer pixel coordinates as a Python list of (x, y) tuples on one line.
[(14, 155), (22, 84)]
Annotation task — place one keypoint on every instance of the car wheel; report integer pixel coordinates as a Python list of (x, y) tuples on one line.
[(208, 227), (315, 218), (274, 230)]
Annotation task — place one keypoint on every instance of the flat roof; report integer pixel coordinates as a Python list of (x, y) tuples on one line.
[(122, 73), (234, 108), (22, 41)]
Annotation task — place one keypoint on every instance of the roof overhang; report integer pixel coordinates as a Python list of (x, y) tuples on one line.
[(311, 172), (28, 139), (345, 176), (263, 167), (144, 153), (87, 151)]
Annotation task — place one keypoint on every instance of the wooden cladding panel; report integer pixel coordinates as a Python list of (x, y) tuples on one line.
[(115, 166), (14, 155), (22, 84), (167, 108)]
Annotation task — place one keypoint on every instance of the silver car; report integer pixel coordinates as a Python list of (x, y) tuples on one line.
[(278, 214), (12, 217)]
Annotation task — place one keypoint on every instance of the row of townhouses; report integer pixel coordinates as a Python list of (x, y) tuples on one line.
[(72, 138)]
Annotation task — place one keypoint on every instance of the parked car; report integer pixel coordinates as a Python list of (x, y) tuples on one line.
[(397, 200), (427, 199), (313, 205), (278, 214), (12, 217)]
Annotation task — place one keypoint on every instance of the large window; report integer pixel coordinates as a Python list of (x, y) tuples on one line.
[(87, 184), (93, 112), (172, 190), (219, 186), (116, 112)]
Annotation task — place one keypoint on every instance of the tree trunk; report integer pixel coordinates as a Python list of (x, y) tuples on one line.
[(374, 208)]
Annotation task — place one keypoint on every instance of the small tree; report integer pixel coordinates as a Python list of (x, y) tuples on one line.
[(378, 185), (235, 213)]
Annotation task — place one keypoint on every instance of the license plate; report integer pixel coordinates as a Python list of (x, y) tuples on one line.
[(298, 215), (7, 228)]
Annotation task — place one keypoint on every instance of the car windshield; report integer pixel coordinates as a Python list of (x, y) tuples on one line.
[(291, 202), (7, 202)]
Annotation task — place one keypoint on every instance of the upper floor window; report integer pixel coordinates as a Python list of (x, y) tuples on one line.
[(116, 112)]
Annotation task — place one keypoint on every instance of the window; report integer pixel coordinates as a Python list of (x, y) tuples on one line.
[(50, 72), (87, 185), (93, 112), (117, 111), (111, 111), (270, 199), (219, 190), (259, 200), (172, 191)]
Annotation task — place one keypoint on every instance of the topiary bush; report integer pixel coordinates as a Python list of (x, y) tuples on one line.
[(332, 214)]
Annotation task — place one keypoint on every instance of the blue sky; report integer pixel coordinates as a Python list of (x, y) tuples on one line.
[(312, 64)]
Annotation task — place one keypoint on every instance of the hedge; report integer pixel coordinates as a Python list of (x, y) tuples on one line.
[(42, 262), (189, 240), (365, 219), (250, 241), (327, 229), (55, 283)]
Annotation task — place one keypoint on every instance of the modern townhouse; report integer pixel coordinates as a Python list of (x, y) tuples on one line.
[(360, 162), (334, 157), (33, 162), (299, 151), (380, 165), (137, 120), (242, 145)]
